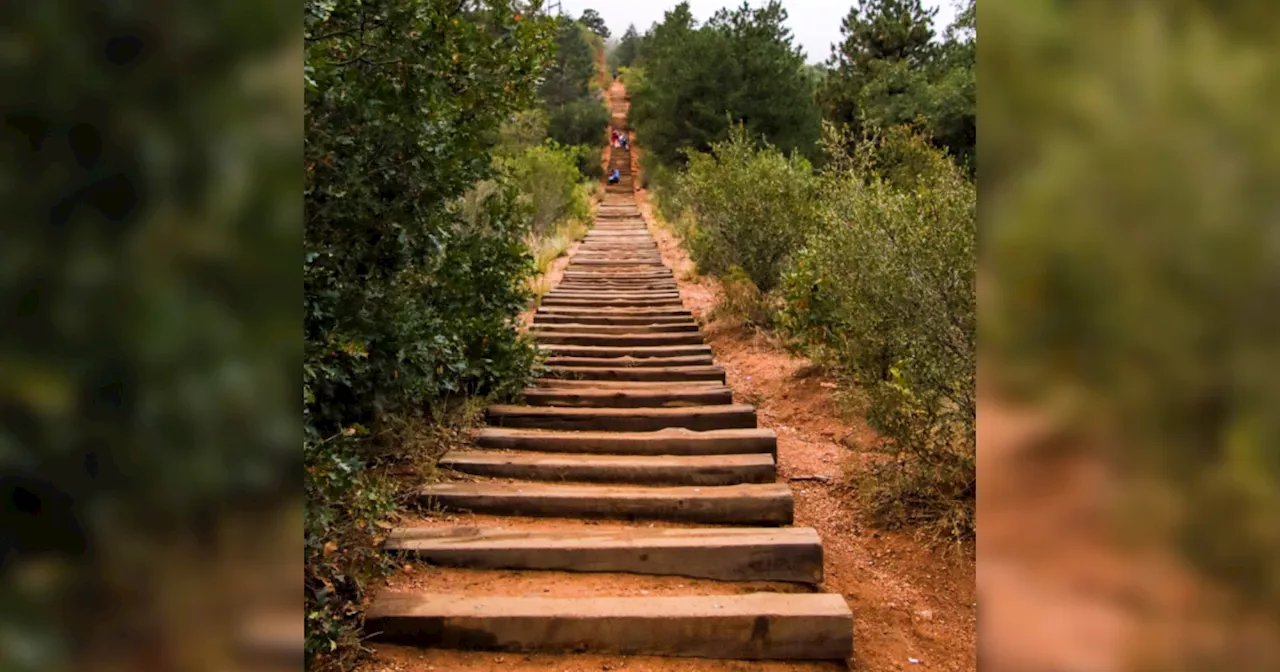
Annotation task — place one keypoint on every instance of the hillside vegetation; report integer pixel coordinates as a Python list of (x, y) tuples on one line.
[(449, 148), (837, 206)]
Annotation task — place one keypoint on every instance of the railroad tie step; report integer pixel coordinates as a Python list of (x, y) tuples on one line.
[(610, 320), (743, 504), (619, 351), (757, 626), (621, 340), (653, 362), (669, 397), (670, 441), (791, 554), (574, 327), (697, 418), (631, 469), (664, 373)]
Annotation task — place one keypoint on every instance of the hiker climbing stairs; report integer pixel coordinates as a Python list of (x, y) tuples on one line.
[(631, 424)]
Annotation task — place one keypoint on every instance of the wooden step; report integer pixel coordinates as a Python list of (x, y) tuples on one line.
[(697, 418), (748, 504), (635, 469), (634, 274), (600, 362), (792, 554), (756, 626), (572, 327), (611, 320), (592, 286), (617, 312), (671, 397), (620, 340), (604, 293), (665, 373), (620, 384), (611, 302), (635, 351), (671, 441)]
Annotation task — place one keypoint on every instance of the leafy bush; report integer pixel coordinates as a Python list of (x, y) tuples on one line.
[(568, 75), (409, 290), (742, 300), (548, 179), (580, 123), (525, 129), (752, 207), (740, 67), (628, 50), (883, 291)]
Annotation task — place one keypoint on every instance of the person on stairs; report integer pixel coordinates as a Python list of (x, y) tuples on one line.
[(623, 141), (614, 176)]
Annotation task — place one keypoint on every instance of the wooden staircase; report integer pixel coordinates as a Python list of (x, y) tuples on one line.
[(633, 422)]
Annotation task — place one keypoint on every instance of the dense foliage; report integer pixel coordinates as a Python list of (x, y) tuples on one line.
[(866, 266), (883, 292), (627, 51), (753, 208), (577, 115), (741, 67), (889, 71), (407, 302), (594, 22)]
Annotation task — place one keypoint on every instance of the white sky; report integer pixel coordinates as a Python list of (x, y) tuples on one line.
[(815, 24)]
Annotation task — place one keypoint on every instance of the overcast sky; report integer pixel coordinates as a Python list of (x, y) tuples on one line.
[(814, 23)]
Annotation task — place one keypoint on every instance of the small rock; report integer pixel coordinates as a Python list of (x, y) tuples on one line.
[(498, 659), (913, 661), (925, 615)]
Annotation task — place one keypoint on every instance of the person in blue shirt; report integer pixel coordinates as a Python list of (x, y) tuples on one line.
[(614, 176)]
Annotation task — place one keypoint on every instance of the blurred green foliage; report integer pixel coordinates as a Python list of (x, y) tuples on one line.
[(595, 23), (148, 171), (741, 67), (1130, 163), (410, 290)]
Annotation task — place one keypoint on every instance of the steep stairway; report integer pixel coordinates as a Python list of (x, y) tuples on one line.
[(631, 423)]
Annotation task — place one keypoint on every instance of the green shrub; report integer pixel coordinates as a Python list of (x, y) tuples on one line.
[(739, 67), (753, 207), (525, 129), (548, 180), (580, 122), (883, 291), (742, 300), (410, 290), (588, 159)]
